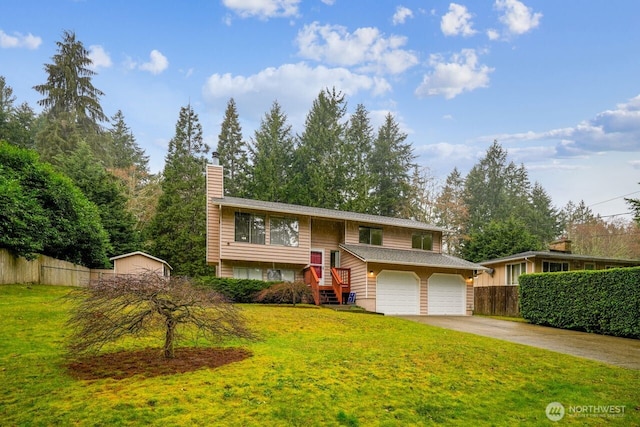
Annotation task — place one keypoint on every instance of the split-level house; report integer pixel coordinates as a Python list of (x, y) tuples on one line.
[(505, 271), (387, 265)]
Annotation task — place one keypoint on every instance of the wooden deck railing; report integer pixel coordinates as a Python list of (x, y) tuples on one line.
[(341, 281), (311, 278)]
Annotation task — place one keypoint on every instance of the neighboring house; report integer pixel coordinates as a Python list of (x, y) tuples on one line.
[(393, 266), (139, 263), (505, 271)]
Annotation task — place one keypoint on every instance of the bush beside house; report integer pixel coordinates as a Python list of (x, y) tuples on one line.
[(236, 290), (605, 302)]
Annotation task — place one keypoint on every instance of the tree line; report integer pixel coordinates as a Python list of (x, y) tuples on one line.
[(338, 161)]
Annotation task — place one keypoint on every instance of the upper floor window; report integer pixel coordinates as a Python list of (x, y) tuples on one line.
[(514, 271), (284, 231), (553, 266), (250, 228), (371, 236), (422, 241)]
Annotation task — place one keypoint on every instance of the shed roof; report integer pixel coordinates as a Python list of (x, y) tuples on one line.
[(379, 254), (130, 254), (290, 209)]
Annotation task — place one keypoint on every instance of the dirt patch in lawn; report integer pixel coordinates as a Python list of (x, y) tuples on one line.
[(151, 363)]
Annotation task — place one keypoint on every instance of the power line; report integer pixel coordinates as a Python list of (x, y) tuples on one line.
[(615, 198)]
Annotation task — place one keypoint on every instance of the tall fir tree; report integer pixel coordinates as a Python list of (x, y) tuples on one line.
[(71, 102), (318, 174), (272, 157), (178, 231), (392, 163), (16, 122), (232, 153), (125, 151), (356, 155)]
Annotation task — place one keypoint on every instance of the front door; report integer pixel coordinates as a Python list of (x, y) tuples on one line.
[(316, 261)]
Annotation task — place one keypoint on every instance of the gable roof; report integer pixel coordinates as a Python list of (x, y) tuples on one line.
[(144, 255), (414, 257), (558, 255), (289, 209)]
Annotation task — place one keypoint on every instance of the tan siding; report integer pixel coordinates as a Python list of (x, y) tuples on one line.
[(424, 287), (232, 250), (392, 237), (469, 298), (136, 264), (214, 189)]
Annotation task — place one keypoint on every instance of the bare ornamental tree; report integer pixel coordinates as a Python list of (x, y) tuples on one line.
[(113, 307)]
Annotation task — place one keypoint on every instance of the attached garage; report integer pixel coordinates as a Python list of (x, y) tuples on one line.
[(447, 295), (397, 292)]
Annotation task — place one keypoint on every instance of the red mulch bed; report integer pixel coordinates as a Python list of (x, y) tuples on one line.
[(151, 363)]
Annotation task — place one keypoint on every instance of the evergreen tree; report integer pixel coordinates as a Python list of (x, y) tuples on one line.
[(232, 152), (318, 175), (16, 123), (356, 156), (391, 166), (106, 192), (178, 231), (125, 152), (272, 157), (634, 204), (451, 212), (542, 218), (71, 102), (499, 239)]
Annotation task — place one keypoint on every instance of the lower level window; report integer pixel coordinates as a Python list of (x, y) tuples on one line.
[(514, 271), (247, 273), (274, 275)]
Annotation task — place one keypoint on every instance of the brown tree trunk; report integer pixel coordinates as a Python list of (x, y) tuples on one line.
[(168, 339)]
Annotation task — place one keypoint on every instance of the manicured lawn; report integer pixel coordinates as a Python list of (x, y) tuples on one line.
[(312, 367)]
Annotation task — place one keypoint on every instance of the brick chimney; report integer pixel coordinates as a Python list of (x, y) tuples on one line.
[(561, 245)]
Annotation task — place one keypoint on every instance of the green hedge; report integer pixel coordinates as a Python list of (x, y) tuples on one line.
[(604, 302), (237, 290)]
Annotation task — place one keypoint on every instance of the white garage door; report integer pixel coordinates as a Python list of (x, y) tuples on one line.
[(447, 294), (397, 292)]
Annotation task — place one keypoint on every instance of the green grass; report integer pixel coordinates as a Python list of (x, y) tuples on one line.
[(312, 367)]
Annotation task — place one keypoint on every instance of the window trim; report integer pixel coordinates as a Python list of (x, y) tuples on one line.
[(370, 229), (422, 236), (284, 218), (251, 231), (508, 269), (549, 262)]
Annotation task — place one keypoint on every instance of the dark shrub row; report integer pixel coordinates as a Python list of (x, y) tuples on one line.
[(604, 302), (237, 290)]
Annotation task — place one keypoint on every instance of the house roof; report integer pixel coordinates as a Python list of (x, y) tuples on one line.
[(143, 254), (558, 255), (286, 208), (370, 253)]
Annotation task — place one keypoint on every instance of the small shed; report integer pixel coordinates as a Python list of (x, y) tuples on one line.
[(139, 262)]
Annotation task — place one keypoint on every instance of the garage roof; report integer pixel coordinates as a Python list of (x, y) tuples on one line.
[(370, 253)]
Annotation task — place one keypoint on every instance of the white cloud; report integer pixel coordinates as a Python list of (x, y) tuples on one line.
[(18, 40), (611, 130), (447, 117), (517, 17), (263, 9), (365, 48), (401, 15), (295, 86), (635, 164), (157, 63), (461, 73), (457, 22), (493, 34), (329, 2), (99, 57)]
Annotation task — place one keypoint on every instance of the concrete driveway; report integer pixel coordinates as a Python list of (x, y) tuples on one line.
[(622, 352)]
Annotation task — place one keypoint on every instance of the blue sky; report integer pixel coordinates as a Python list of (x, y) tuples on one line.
[(555, 82)]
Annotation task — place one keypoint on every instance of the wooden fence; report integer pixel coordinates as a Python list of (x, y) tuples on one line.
[(496, 301), (43, 270)]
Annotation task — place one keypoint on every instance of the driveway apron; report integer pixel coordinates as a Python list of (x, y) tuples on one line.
[(622, 352)]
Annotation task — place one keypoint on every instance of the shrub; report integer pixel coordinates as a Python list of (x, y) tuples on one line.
[(236, 290), (605, 302), (286, 293)]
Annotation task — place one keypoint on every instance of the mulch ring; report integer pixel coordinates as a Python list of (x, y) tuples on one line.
[(151, 363)]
